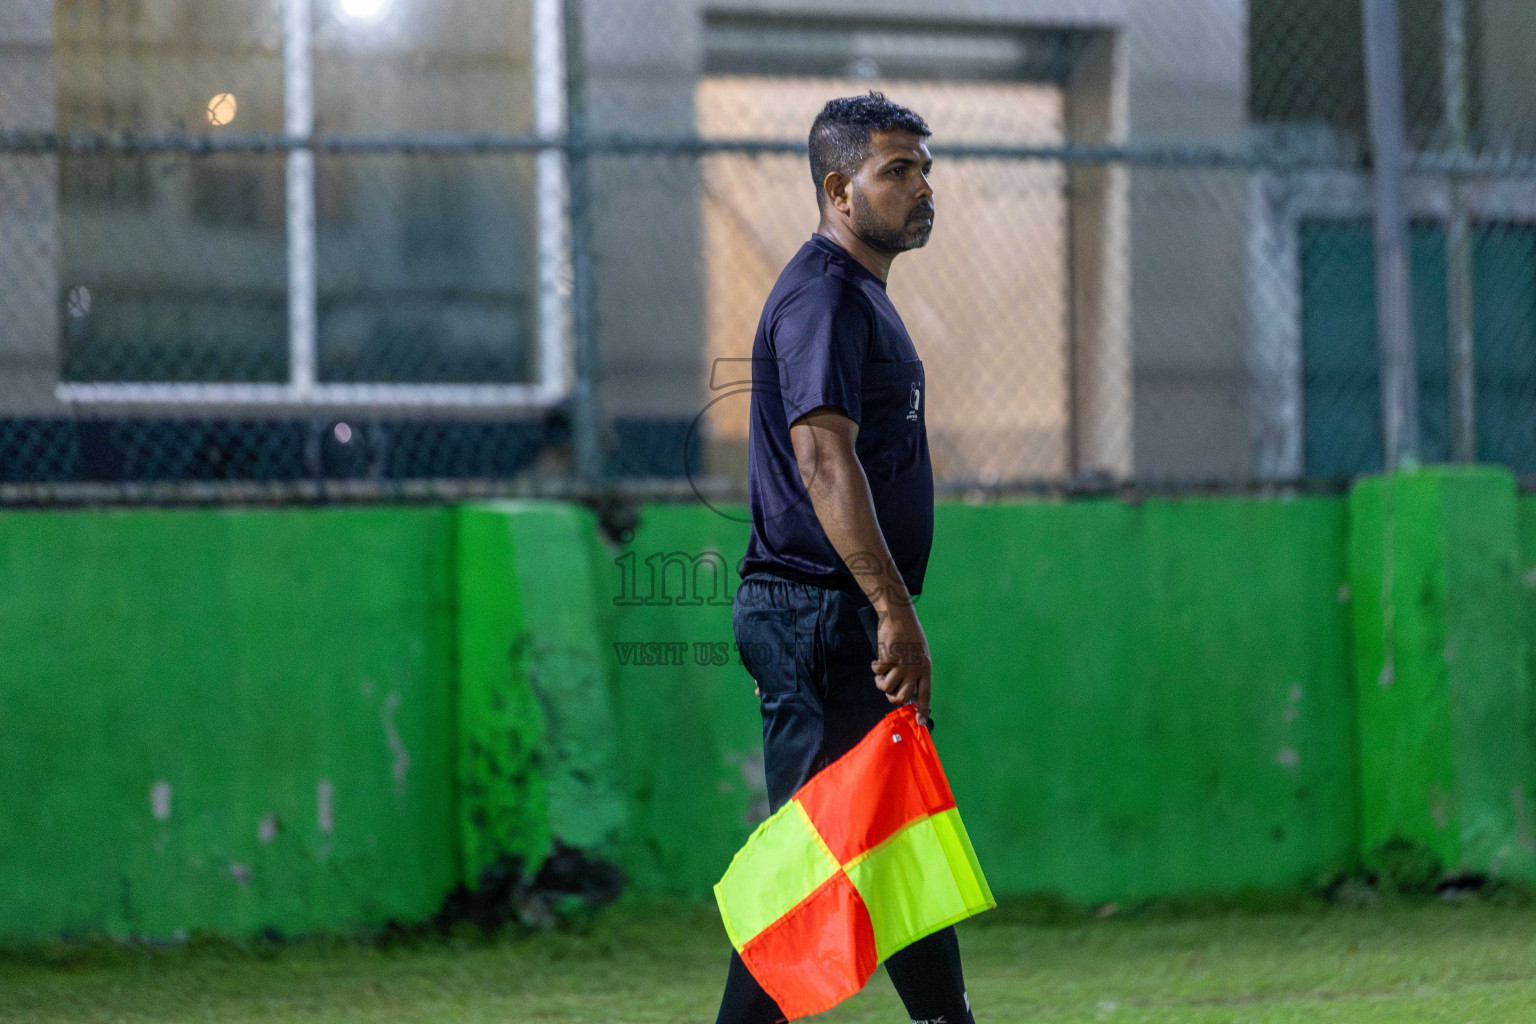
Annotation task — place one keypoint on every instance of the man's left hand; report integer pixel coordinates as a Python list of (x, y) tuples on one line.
[(902, 666)]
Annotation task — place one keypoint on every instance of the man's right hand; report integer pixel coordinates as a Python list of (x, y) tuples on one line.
[(902, 666)]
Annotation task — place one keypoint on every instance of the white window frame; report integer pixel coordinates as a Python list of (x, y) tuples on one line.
[(303, 387), (1280, 202)]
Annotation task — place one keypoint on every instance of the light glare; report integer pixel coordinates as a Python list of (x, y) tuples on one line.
[(221, 109), (362, 10)]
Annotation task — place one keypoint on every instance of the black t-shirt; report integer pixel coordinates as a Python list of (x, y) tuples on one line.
[(829, 336)]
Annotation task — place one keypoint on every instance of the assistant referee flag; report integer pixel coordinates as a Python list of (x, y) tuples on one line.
[(867, 858)]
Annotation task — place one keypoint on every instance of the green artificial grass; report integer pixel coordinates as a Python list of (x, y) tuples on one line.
[(1392, 963)]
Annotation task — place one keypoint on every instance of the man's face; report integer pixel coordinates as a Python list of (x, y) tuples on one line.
[(892, 200)]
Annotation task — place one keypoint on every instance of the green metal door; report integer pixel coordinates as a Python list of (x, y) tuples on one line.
[(1341, 379)]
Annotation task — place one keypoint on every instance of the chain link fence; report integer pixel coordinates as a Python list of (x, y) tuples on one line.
[(291, 249)]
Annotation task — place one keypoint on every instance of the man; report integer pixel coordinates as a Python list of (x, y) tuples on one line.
[(841, 490)]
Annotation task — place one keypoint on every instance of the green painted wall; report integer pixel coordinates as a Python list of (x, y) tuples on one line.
[(314, 719), (224, 720), (503, 799), (1138, 700), (1131, 699), (1442, 682), (539, 750), (1407, 775), (691, 733), (1526, 525)]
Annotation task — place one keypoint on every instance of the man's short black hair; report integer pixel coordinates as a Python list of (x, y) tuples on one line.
[(840, 133)]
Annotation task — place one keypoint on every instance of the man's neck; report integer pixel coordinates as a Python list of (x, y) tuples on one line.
[(871, 259)]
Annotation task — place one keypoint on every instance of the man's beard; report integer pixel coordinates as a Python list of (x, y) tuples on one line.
[(881, 237)]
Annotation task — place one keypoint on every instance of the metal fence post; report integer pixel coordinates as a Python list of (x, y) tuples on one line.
[(1394, 290), (1458, 242), (586, 416), (299, 124)]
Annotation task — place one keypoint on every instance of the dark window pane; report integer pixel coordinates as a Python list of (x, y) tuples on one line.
[(173, 267), (1341, 366), (427, 265), (1504, 291)]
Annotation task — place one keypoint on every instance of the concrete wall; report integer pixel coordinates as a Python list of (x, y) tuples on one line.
[(1526, 534), (225, 721), (29, 227), (1217, 647), (538, 744), (640, 66), (316, 720), (1130, 700), (1507, 35), (1527, 539), (1160, 345), (1442, 681), (1188, 84)]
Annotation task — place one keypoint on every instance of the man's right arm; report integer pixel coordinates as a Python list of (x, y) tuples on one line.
[(823, 440)]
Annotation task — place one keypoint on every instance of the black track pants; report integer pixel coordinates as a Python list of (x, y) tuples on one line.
[(809, 651)]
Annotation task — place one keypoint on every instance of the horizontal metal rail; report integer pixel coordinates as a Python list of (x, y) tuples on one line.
[(87, 143), (614, 492), (506, 396)]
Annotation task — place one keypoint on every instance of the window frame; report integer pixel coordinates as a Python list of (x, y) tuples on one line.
[(303, 388), (1280, 202)]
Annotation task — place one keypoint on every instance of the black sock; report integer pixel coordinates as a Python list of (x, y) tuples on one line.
[(928, 978), (926, 974)]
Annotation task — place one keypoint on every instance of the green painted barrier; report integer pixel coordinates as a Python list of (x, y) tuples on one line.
[(539, 745), (1138, 700), (503, 801), (1131, 700), (224, 721), (1526, 524), (687, 717), (310, 720), (1441, 678)]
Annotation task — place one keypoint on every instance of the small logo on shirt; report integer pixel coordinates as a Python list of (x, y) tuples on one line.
[(914, 400)]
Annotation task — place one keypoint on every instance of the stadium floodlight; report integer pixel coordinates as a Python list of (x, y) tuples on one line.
[(362, 10)]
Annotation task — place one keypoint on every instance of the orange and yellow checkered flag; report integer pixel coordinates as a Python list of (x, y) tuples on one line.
[(868, 857)]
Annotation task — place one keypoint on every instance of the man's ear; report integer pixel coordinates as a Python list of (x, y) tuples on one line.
[(834, 189)]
